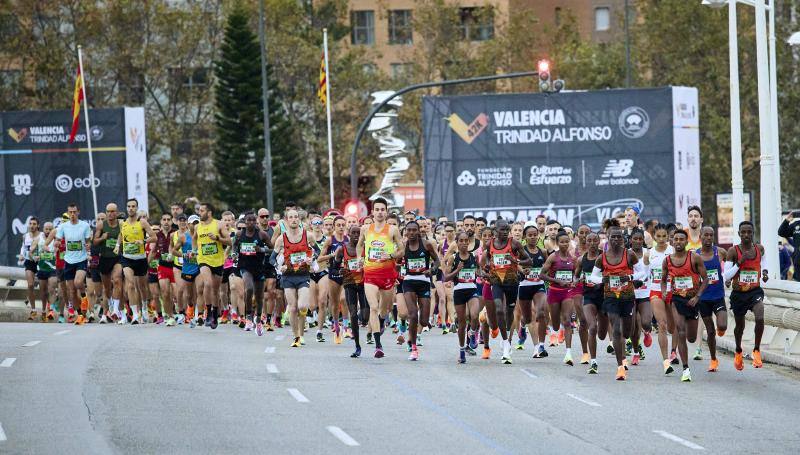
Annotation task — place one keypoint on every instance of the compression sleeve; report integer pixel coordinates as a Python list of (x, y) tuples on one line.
[(730, 270), (597, 276)]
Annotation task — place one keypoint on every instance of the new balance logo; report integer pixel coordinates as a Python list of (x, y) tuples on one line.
[(618, 168)]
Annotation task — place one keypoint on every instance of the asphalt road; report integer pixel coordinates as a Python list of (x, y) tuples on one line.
[(154, 389)]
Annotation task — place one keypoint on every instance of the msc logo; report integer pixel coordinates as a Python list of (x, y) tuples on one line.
[(466, 178), (18, 136), (618, 168), (22, 184), (468, 132), (634, 122)]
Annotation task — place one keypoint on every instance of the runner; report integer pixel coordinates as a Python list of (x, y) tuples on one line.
[(462, 269), (643, 318), (76, 234), (29, 241), (351, 269), (531, 291), (444, 288), (295, 261), (250, 246), (134, 260), (742, 269), (318, 289), (712, 302), (45, 272), (687, 275), (422, 262), (231, 286), (270, 274), (94, 286), (559, 270), (660, 302), (695, 217), (335, 279), (210, 238), (187, 268), (106, 235), (166, 276), (596, 317)]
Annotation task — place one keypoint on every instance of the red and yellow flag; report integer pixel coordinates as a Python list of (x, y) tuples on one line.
[(322, 90), (77, 98)]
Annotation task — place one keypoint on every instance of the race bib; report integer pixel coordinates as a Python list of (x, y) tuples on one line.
[(247, 249), (713, 276), (615, 282), (111, 243), (375, 254), (416, 264), (683, 283), (465, 275), (46, 256), (533, 274), (131, 248), (564, 275), (166, 257), (354, 265), (656, 274), (748, 277), (154, 264), (500, 260), (209, 249), (180, 260), (74, 246), (403, 270), (297, 258)]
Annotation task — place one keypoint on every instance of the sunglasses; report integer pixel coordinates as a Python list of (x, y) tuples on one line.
[(317, 223), (263, 216)]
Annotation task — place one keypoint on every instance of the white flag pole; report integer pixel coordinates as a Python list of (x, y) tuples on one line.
[(88, 133), (328, 111)]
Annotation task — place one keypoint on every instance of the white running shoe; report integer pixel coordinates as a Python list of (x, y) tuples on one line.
[(686, 376), (506, 352), (103, 319), (181, 319)]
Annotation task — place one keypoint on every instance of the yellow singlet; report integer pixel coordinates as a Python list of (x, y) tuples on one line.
[(209, 252), (132, 232)]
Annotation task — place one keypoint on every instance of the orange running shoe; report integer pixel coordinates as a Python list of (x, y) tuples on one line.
[(757, 363), (560, 336), (495, 332), (553, 339), (487, 352), (738, 361), (189, 313), (714, 365), (80, 320), (85, 304), (51, 315), (720, 333), (621, 374)]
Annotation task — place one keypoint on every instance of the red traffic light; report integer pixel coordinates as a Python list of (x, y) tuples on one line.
[(544, 69), (351, 208)]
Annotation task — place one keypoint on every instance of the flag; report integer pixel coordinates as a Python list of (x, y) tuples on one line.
[(322, 91), (77, 97)]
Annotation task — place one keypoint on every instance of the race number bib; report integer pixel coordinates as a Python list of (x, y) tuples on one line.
[(154, 264), (180, 260), (656, 272), (46, 256), (533, 274), (564, 275), (375, 254), (209, 249), (416, 265), (297, 258), (74, 246), (354, 265), (683, 283), (467, 275), (500, 260), (713, 276), (748, 277), (247, 249), (131, 248), (615, 282), (111, 243)]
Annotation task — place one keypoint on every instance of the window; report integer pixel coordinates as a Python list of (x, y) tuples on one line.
[(362, 25), (558, 16), (400, 70), (477, 24), (400, 29), (602, 19), (191, 78)]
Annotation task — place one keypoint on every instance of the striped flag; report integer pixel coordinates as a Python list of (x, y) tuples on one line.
[(77, 98), (322, 90)]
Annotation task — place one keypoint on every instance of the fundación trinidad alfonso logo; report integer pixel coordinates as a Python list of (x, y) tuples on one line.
[(18, 136), (468, 132)]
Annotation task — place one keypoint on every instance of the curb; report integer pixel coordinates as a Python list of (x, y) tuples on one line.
[(768, 356)]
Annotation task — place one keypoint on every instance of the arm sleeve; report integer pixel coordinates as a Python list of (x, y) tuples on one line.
[(640, 272), (273, 259), (597, 276), (730, 270), (764, 263)]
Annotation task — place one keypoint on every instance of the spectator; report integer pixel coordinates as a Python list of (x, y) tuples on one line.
[(785, 260), (790, 229)]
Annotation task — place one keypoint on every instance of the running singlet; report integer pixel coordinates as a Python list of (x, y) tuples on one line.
[(295, 255), (188, 266), (656, 263), (466, 277), (251, 257), (47, 259), (532, 277), (75, 237), (162, 249), (108, 245), (615, 287), (177, 261), (501, 269), (209, 252), (715, 289), (684, 278), (562, 269), (590, 289), (417, 262), (132, 233), (749, 274), (376, 245), (334, 245), (352, 269), (318, 244), (692, 244)]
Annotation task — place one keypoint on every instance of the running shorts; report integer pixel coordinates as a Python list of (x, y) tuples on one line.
[(594, 298), (462, 296), (557, 295), (621, 307), (710, 307), (419, 287), (486, 293), (139, 266), (654, 294), (527, 292), (152, 278), (226, 274), (166, 273), (218, 271), (106, 265), (71, 269), (319, 275), (95, 274), (383, 280), (188, 277), (295, 281), (257, 274), (30, 266), (509, 291), (681, 305), (43, 275), (576, 291), (742, 302)]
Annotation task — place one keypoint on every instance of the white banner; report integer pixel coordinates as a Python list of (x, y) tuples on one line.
[(135, 155), (686, 140)]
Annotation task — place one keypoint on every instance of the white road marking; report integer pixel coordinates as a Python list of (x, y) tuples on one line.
[(342, 436), (583, 400), (30, 344), (297, 395), (63, 332), (2, 433), (8, 362), (269, 350), (679, 440), (279, 337), (271, 368), (528, 373)]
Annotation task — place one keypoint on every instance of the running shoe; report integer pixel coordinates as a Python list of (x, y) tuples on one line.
[(408, 345), (560, 336), (90, 317), (635, 359), (648, 339), (470, 351), (686, 376), (160, 320), (610, 349), (234, 317), (668, 367), (44, 317), (540, 353), (585, 358), (426, 329), (135, 320), (401, 339), (248, 326), (713, 365), (181, 319), (738, 361), (80, 320), (445, 330), (190, 312), (302, 341), (568, 359), (720, 333), (414, 355), (32, 315), (103, 319), (462, 356), (495, 332), (200, 321), (357, 353), (284, 318), (641, 352), (523, 337), (123, 319), (473, 343), (628, 347), (757, 363), (209, 320), (296, 342), (51, 315), (593, 368), (259, 329), (369, 338), (506, 358), (192, 323), (553, 339), (337, 333), (61, 319), (673, 358), (242, 323), (268, 327), (419, 340), (348, 333), (84, 303), (379, 353), (487, 352), (214, 323), (70, 314), (170, 322), (698, 354), (621, 373), (320, 338), (625, 363)]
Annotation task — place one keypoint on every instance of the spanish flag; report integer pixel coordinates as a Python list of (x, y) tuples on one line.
[(77, 97), (322, 90)]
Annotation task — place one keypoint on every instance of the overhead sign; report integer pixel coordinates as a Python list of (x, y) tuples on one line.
[(577, 157)]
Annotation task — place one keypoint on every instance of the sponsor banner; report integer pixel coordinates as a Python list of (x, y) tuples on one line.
[(585, 153), (41, 173), (725, 228)]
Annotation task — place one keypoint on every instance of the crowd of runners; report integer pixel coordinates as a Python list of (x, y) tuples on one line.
[(406, 275)]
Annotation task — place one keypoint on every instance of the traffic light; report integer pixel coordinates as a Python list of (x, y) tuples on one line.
[(546, 85), (351, 208)]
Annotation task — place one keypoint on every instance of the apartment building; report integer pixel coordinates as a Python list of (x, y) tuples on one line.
[(387, 25)]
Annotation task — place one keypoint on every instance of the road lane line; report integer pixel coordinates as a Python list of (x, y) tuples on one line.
[(269, 350), (271, 368), (30, 344), (297, 395), (279, 337), (342, 436), (528, 373), (8, 362), (2, 433), (583, 400), (63, 332), (679, 440)]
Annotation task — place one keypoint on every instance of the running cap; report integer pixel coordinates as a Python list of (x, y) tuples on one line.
[(194, 219), (181, 217)]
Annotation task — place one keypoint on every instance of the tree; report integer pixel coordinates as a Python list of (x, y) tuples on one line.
[(239, 152)]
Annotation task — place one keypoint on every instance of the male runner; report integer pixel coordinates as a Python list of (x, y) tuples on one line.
[(695, 217), (30, 239), (45, 273), (106, 236), (712, 302), (185, 265), (250, 246), (269, 272), (379, 244), (210, 239), (134, 259), (743, 268), (166, 275), (76, 234)]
